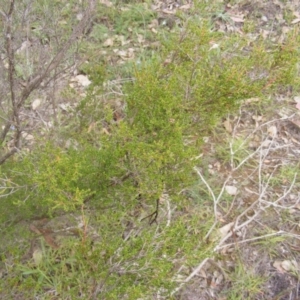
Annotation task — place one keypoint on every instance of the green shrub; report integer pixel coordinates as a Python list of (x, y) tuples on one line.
[(173, 101), (50, 179)]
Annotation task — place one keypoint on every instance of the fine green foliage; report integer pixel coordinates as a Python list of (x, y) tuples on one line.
[(135, 17), (54, 177), (245, 284), (140, 265)]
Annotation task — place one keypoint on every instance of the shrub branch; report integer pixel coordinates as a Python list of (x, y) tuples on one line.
[(33, 82)]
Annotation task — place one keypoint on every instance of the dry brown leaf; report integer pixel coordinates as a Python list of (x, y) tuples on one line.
[(108, 43), (105, 131), (185, 7), (251, 100), (237, 19), (50, 241), (285, 265), (167, 61), (277, 265), (122, 53), (297, 99), (257, 118), (272, 131), (91, 127), (265, 33), (169, 12), (27, 136), (285, 29), (295, 21), (153, 24), (223, 231), (140, 38), (46, 233), (37, 256), (106, 3), (34, 229), (214, 46), (289, 265), (228, 126)]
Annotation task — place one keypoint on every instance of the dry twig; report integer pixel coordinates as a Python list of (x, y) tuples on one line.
[(32, 83)]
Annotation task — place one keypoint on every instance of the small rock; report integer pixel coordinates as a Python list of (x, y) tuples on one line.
[(27, 136), (272, 131), (231, 190), (83, 80), (264, 18), (35, 104)]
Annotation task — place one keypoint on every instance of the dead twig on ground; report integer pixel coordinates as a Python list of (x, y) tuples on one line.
[(252, 212)]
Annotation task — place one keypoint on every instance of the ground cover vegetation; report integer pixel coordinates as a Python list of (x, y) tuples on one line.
[(149, 150)]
